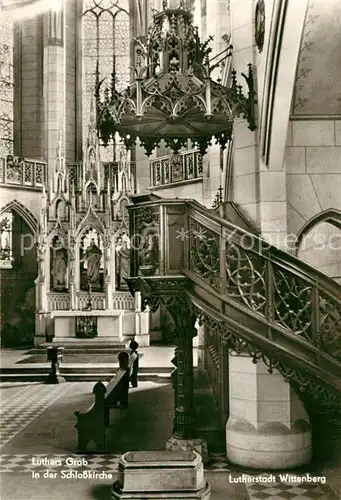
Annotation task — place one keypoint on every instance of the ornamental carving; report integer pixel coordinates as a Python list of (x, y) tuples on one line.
[(245, 277), (173, 97), (260, 24), (302, 382), (41, 247), (330, 326), (204, 253), (145, 217), (293, 298)]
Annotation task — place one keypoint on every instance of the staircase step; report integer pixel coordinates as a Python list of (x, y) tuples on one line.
[(86, 346), (81, 377)]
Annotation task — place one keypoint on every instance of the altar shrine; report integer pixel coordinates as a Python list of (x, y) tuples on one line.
[(83, 251)]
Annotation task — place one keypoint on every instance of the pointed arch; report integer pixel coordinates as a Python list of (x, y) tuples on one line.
[(332, 216), (24, 213), (91, 219)]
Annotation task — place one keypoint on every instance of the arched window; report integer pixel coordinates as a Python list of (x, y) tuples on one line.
[(106, 39), (6, 85)]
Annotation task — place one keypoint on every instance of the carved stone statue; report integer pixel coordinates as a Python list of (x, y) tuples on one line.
[(92, 258), (149, 255), (151, 250), (122, 262), (59, 268)]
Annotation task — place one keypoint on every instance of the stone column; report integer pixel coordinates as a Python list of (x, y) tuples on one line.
[(201, 345), (72, 271), (245, 156), (54, 87), (41, 319), (183, 424), (184, 433), (224, 379), (109, 270), (268, 426), (142, 335)]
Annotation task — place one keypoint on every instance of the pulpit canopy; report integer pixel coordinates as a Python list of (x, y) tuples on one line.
[(173, 96)]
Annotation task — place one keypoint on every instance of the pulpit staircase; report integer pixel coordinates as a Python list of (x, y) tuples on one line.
[(261, 300)]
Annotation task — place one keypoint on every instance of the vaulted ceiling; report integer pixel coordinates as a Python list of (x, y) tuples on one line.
[(317, 90)]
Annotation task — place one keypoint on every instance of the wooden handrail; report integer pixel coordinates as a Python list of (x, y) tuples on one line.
[(287, 260)]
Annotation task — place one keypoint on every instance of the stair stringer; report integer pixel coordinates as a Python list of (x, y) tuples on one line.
[(303, 366)]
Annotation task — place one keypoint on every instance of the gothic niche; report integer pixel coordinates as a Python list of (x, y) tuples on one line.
[(6, 257), (61, 212), (91, 261), (122, 262), (59, 264), (91, 196)]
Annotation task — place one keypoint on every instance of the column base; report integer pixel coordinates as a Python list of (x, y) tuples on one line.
[(142, 340), (268, 427), (274, 446), (198, 444), (39, 339)]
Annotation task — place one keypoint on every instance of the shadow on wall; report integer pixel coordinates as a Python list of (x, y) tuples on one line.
[(18, 315), (17, 287)]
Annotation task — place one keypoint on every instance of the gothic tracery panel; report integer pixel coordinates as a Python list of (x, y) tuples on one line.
[(6, 85), (106, 42)]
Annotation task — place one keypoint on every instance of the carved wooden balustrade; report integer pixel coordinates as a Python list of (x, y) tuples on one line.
[(120, 301), (174, 168), (263, 299), (23, 173)]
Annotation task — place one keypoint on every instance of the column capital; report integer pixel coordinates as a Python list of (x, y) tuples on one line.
[(183, 316)]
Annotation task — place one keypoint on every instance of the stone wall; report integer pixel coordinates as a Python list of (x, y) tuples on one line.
[(313, 169), (313, 183), (30, 79), (70, 80)]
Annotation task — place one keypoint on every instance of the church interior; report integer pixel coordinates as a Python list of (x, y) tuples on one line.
[(170, 175)]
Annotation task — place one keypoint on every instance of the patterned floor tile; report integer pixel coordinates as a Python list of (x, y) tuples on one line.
[(54, 463), (278, 489), (102, 462), (18, 412)]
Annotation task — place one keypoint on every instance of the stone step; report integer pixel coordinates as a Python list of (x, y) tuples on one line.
[(95, 376), (82, 350), (86, 345), (84, 369)]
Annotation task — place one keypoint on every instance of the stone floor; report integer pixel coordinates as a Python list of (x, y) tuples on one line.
[(37, 421)]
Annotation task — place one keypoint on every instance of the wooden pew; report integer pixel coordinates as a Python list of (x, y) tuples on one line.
[(92, 424)]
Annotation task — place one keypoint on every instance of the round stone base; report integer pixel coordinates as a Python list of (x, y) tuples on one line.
[(273, 446)]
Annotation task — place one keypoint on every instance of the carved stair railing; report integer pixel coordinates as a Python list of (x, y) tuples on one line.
[(260, 298)]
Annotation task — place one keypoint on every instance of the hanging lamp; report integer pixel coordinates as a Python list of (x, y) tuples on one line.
[(173, 96)]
